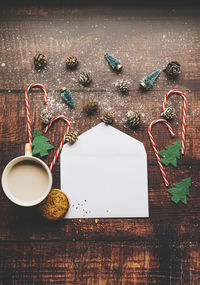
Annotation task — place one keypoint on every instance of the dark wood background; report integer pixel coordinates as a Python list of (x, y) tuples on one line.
[(163, 249)]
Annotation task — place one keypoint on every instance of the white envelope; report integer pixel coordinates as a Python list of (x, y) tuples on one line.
[(104, 175)]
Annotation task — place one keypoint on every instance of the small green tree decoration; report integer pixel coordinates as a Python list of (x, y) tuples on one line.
[(180, 191), (171, 154), (114, 62), (40, 144), (149, 80), (67, 97)]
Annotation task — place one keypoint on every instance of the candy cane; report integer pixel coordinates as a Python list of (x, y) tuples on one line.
[(155, 148), (63, 139), (184, 114), (28, 107)]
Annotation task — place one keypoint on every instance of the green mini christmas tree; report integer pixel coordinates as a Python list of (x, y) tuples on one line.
[(180, 191), (67, 97), (149, 80), (40, 144), (171, 154), (114, 62)]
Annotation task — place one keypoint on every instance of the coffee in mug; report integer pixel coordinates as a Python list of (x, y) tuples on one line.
[(26, 180)]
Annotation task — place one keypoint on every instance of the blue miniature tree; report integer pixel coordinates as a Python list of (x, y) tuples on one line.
[(149, 80), (67, 97), (113, 62)]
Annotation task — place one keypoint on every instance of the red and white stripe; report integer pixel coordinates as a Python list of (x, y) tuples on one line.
[(184, 114), (63, 139), (28, 106), (155, 148)]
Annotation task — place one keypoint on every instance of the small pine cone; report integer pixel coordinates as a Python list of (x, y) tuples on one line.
[(133, 119), (91, 107), (108, 117), (85, 78), (122, 86), (173, 69), (71, 62), (169, 113), (72, 137), (46, 116), (40, 61)]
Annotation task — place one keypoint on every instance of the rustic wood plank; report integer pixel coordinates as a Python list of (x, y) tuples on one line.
[(99, 263), (142, 39), (178, 222), (163, 249), (13, 120)]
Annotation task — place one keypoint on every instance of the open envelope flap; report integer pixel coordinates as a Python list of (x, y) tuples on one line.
[(106, 140), (104, 174)]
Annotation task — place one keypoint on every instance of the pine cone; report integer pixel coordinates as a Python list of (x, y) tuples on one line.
[(85, 78), (108, 117), (40, 61), (72, 137), (91, 107), (122, 86), (71, 62), (133, 119), (46, 116), (168, 113), (173, 69)]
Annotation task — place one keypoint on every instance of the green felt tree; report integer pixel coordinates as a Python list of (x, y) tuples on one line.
[(180, 191), (171, 153), (40, 144)]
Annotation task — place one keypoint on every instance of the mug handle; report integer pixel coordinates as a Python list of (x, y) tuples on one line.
[(28, 149)]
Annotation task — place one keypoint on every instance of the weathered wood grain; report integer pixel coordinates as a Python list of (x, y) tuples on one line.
[(142, 39), (166, 219), (100, 263), (163, 249), (13, 120)]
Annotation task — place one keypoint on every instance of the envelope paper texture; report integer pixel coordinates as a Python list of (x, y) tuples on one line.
[(104, 174)]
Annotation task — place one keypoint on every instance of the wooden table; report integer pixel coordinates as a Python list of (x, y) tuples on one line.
[(163, 249)]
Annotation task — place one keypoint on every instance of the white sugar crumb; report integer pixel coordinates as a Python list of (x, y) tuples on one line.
[(3, 64)]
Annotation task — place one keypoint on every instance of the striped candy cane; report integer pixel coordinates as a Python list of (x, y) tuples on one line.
[(28, 107), (184, 114), (155, 148), (63, 139)]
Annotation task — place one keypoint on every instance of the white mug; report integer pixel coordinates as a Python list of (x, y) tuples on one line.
[(26, 158)]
